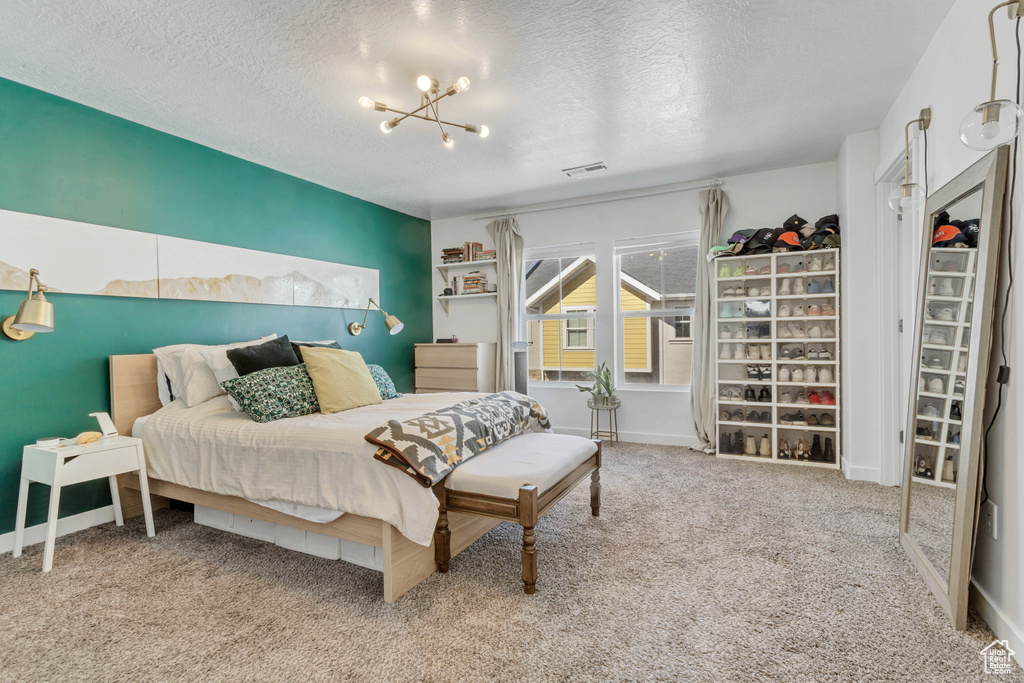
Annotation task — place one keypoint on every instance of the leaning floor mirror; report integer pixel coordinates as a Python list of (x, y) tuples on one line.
[(959, 269)]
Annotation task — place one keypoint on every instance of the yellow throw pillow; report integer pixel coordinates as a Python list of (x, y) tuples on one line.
[(341, 379)]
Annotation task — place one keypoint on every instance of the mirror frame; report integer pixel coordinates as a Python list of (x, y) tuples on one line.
[(989, 173)]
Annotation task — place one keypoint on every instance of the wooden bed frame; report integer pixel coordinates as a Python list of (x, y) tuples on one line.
[(133, 394)]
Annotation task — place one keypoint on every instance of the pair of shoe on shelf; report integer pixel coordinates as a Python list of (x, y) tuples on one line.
[(935, 385), (812, 331), (759, 351), (758, 291), (941, 286), (820, 286), (730, 393), (800, 451), (824, 398), (763, 396), (751, 446), (819, 353), (731, 352), (944, 313), (763, 417), (731, 444), (762, 373), (811, 375), (760, 331), (730, 310), (936, 337), (797, 310), (730, 332), (790, 286)]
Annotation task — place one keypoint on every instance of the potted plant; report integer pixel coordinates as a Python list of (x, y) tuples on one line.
[(603, 390)]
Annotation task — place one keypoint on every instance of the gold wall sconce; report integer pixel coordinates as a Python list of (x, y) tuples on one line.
[(909, 195), (35, 314), (394, 324), (995, 122)]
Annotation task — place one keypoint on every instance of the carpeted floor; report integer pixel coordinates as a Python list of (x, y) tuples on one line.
[(697, 570)]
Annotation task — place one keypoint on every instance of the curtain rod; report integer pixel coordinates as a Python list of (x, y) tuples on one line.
[(603, 198)]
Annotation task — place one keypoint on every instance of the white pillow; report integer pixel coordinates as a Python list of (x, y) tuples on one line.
[(192, 380), (163, 391), (217, 359)]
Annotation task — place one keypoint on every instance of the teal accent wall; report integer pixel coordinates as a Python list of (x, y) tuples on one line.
[(62, 159)]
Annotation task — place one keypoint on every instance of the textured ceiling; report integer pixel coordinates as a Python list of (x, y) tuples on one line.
[(662, 92)]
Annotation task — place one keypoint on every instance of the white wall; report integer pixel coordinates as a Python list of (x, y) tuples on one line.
[(863, 296), (758, 200), (952, 77)]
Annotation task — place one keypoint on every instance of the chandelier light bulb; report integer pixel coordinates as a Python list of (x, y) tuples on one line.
[(386, 126), (426, 83), (448, 142), (462, 85), (366, 103), (991, 124), (484, 131)]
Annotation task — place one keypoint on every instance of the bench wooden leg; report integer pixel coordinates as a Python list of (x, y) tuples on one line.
[(442, 534), (595, 493), (529, 560), (528, 509)]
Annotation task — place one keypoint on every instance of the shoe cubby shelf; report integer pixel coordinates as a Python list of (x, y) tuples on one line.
[(943, 377), (754, 338)]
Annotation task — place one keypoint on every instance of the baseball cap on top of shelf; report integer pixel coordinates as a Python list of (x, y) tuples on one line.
[(794, 222), (948, 236), (762, 241), (788, 241), (739, 240), (970, 229)]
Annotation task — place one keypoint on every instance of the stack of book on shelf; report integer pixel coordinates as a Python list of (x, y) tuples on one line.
[(453, 255), (472, 283), (469, 251)]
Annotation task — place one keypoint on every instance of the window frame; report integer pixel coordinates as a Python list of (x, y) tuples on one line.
[(587, 329), (573, 252), (625, 247)]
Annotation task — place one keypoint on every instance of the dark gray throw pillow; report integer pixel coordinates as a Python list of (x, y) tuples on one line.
[(297, 346), (276, 353)]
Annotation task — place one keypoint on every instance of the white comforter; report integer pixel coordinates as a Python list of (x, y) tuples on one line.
[(320, 461)]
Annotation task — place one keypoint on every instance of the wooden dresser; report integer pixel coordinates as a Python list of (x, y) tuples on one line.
[(455, 367)]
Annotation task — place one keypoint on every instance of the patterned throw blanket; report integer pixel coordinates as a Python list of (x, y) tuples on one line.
[(430, 446)]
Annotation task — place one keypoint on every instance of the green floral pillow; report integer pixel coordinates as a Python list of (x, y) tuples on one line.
[(384, 383), (274, 393)]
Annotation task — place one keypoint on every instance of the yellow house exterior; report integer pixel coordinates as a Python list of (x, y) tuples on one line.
[(576, 346)]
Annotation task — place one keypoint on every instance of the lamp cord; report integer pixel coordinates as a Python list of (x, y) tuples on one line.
[(1004, 333)]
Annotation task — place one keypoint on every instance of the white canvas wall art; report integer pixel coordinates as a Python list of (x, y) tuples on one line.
[(81, 258), (215, 272)]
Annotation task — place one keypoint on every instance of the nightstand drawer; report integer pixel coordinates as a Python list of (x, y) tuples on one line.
[(90, 466), (452, 379)]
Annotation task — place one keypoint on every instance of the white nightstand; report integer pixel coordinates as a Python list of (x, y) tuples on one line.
[(61, 466)]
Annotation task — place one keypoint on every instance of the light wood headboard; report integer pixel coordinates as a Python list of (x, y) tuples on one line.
[(133, 389)]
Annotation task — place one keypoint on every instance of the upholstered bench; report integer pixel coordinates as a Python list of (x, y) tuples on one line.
[(518, 481)]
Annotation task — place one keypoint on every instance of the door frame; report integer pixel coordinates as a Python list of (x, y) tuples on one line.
[(896, 256)]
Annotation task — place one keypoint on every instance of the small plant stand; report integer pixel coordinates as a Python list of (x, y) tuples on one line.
[(596, 408)]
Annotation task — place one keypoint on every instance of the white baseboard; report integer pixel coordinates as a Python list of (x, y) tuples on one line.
[(640, 437), (861, 473), (998, 621), (65, 525)]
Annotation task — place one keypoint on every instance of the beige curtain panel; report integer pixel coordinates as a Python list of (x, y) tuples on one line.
[(713, 207), (508, 250)]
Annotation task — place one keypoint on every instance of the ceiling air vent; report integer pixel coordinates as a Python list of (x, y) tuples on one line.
[(585, 170)]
